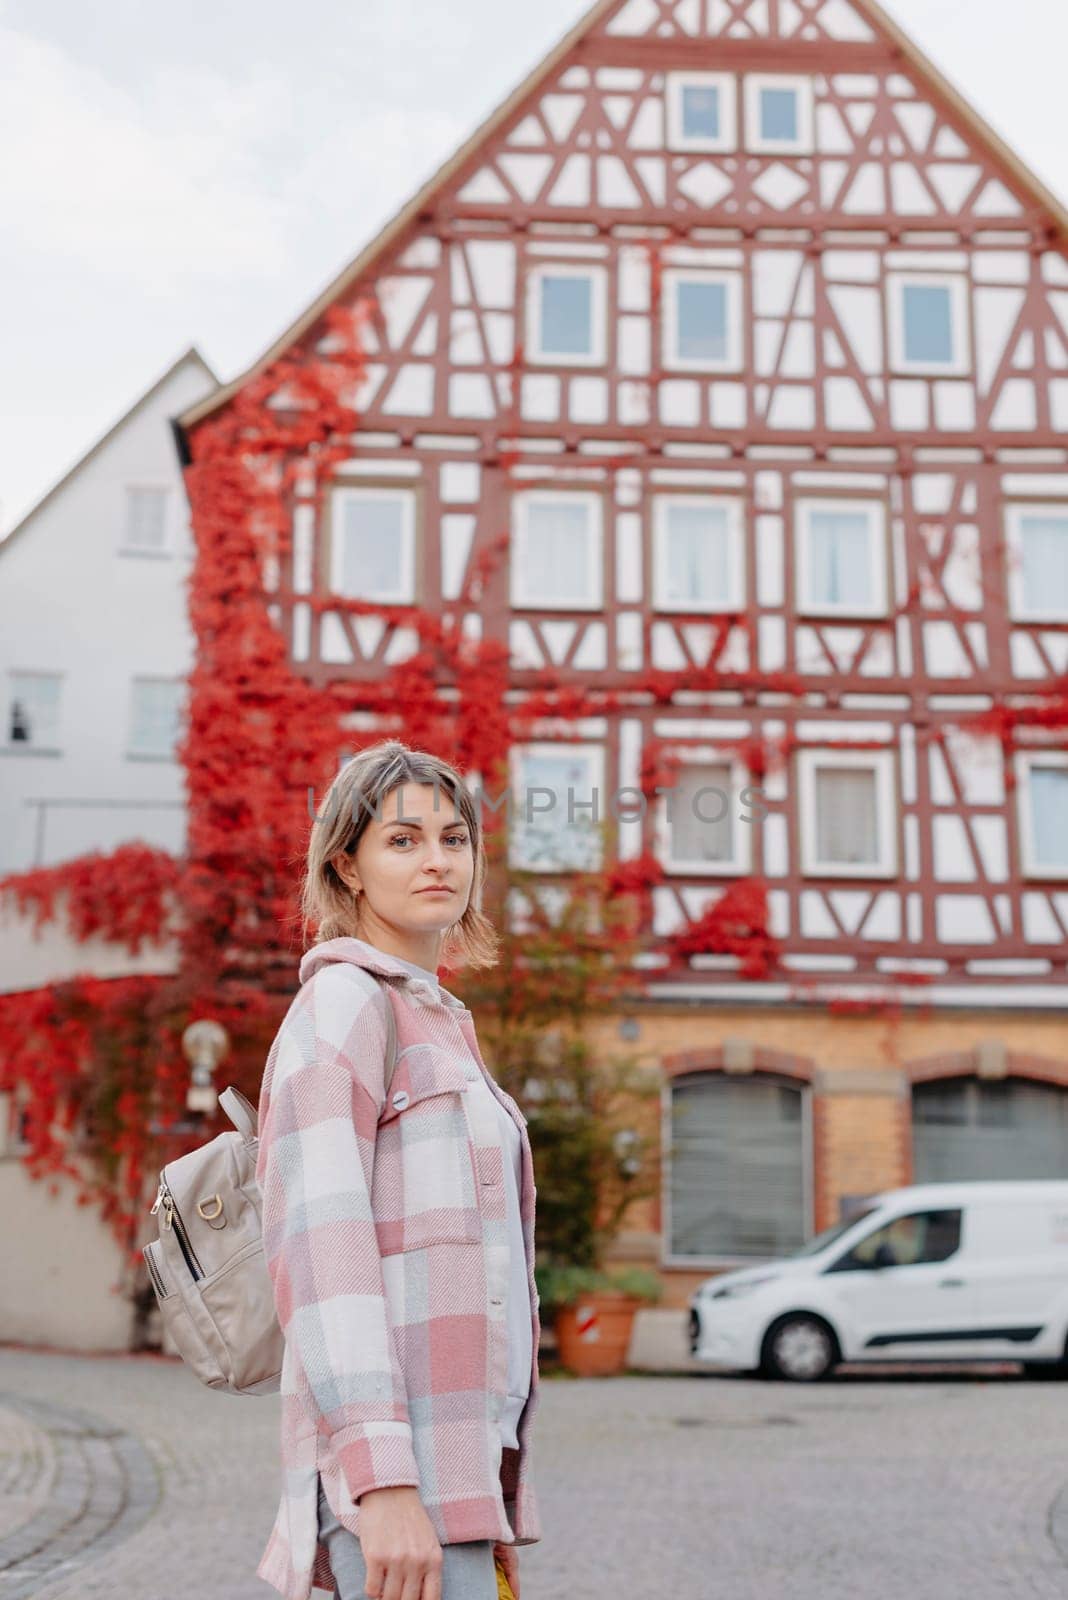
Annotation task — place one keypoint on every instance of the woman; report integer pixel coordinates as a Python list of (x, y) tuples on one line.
[(398, 1215)]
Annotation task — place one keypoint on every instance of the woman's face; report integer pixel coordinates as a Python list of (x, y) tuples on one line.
[(407, 849)]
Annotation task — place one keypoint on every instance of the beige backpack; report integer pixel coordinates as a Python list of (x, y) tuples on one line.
[(208, 1267)]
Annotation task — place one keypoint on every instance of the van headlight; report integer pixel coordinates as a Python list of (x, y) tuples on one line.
[(731, 1291)]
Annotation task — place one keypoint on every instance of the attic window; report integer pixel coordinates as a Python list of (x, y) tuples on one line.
[(928, 323), (566, 316), (145, 531), (701, 111), (778, 114)]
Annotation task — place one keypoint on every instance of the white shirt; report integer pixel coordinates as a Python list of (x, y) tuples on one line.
[(520, 1334)]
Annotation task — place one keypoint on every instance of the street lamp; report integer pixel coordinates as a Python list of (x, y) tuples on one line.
[(204, 1044)]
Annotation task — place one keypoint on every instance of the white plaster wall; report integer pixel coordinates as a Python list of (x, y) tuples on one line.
[(31, 958), (57, 1269)]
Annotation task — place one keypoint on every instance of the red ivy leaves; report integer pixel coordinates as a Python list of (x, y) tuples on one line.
[(735, 925), (124, 897)]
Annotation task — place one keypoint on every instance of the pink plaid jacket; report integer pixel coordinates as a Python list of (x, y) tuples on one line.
[(386, 1238)]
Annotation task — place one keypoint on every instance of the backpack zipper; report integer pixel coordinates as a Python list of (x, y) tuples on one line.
[(154, 1274), (172, 1218)]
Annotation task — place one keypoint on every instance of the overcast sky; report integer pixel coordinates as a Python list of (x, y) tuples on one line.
[(194, 173)]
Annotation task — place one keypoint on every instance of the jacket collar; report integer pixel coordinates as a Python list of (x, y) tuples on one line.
[(361, 954)]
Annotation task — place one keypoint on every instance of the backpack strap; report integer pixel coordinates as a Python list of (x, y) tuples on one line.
[(245, 1117), (241, 1112), (391, 1043)]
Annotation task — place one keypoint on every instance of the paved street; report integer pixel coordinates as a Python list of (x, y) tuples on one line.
[(122, 1479)]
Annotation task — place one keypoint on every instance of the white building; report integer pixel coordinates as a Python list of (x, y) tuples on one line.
[(95, 645)]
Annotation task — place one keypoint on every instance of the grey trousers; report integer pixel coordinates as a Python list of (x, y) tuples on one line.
[(467, 1570)]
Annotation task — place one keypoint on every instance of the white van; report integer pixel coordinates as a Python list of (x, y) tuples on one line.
[(936, 1272)]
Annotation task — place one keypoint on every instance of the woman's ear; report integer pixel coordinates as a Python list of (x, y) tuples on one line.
[(344, 866)]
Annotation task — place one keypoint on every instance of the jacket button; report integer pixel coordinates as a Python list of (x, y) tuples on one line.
[(496, 1302), (400, 1099)]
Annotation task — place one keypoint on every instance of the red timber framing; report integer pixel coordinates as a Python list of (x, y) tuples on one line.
[(884, 185)]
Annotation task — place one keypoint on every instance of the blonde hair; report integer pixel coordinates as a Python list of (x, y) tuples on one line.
[(357, 794)]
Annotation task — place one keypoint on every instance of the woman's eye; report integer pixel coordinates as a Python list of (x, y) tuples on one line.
[(398, 838)]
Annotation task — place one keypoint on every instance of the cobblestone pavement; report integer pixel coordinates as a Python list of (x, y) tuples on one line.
[(123, 1479)]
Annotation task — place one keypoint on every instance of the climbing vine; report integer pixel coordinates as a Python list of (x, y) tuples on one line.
[(96, 1075)]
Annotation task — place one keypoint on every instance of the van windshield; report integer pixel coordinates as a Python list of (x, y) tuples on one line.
[(829, 1235)]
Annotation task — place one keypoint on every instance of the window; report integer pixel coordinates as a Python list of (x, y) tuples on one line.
[(146, 519), (847, 813), (697, 554), (155, 714), (909, 1241), (970, 1129), (556, 551), (33, 710), (1038, 562), (372, 544), (841, 558), (557, 807), (700, 826), (1042, 795), (14, 1123), (566, 316), (701, 111), (928, 324), (702, 321), (778, 115), (737, 1173)]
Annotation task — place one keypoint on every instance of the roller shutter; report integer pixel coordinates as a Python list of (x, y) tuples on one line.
[(737, 1166)]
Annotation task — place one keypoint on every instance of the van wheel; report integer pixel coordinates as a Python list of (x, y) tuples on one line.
[(1045, 1371), (799, 1347)]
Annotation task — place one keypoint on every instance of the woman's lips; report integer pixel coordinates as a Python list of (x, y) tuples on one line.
[(435, 891)]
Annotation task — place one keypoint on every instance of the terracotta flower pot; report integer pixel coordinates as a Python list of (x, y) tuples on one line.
[(593, 1334)]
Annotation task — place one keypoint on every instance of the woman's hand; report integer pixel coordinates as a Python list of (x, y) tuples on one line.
[(508, 1555), (400, 1548)]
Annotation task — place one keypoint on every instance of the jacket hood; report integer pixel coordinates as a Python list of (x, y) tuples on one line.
[(358, 953)]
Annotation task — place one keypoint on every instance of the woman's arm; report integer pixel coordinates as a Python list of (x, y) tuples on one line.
[(318, 1122)]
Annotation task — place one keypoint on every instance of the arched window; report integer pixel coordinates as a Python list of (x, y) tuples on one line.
[(969, 1127), (737, 1166)]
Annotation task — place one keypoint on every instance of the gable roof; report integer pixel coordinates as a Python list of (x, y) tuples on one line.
[(872, 12), (192, 354)]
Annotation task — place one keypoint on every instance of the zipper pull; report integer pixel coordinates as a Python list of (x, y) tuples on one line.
[(158, 1201), (168, 1212)]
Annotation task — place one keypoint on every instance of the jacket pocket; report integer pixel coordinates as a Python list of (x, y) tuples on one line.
[(424, 1188)]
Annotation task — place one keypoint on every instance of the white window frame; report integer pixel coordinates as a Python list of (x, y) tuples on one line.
[(881, 762), (742, 832), (804, 144), (29, 747), (1026, 761), (133, 752), (520, 598), (957, 284), (734, 600), (878, 557), (406, 497), (595, 758), (672, 361), (125, 547), (535, 352), (726, 86), (1014, 515)]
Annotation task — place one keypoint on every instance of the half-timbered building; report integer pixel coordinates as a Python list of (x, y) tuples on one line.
[(755, 339)]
